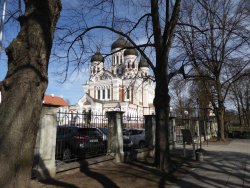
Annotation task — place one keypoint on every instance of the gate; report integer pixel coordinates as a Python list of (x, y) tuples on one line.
[(133, 122), (80, 135)]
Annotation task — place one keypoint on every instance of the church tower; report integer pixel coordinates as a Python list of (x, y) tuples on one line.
[(97, 61)]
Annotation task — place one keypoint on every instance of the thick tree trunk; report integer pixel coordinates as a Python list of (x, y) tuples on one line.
[(162, 108), (23, 90), (220, 121), (162, 154), (220, 111)]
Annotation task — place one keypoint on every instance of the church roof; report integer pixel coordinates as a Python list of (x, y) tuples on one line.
[(132, 51), (120, 43), (143, 63), (97, 57)]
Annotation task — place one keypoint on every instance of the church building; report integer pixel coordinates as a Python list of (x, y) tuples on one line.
[(126, 85)]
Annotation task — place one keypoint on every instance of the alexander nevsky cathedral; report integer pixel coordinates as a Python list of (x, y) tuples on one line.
[(126, 85)]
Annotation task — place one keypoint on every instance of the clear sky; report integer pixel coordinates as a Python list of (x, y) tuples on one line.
[(71, 90)]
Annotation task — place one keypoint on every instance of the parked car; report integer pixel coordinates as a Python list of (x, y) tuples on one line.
[(127, 143), (77, 141), (137, 136)]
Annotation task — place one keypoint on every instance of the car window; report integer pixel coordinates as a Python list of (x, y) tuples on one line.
[(88, 132), (64, 131), (104, 130)]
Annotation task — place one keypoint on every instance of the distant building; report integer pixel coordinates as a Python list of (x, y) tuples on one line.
[(51, 100), (126, 85)]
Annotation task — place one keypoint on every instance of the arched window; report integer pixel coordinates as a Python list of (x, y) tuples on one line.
[(103, 93), (127, 93), (98, 93), (108, 93)]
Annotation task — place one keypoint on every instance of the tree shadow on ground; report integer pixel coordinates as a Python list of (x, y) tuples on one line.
[(38, 164), (102, 179), (230, 164), (166, 179), (84, 168)]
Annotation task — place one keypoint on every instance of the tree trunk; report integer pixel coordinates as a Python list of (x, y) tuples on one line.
[(220, 121), (162, 155), (23, 90), (162, 108)]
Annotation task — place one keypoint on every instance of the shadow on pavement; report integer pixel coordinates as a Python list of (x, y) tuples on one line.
[(102, 179), (38, 163)]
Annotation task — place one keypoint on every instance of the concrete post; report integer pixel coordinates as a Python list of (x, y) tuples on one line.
[(173, 130), (115, 135), (46, 144), (197, 129), (150, 126)]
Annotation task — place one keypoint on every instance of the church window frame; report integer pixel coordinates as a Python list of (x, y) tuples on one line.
[(128, 93), (98, 93), (103, 93), (108, 90)]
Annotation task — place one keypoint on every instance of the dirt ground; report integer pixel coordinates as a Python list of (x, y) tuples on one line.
[(109, 174), (135, 174)]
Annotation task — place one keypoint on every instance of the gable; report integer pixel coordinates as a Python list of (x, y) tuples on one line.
[(105, 76)]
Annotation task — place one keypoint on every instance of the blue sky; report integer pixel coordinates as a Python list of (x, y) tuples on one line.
[(72, 88)]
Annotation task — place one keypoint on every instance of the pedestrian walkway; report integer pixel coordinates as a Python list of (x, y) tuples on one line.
[(223, 166)]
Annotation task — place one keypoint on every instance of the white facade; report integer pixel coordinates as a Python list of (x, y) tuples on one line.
[(125, 85)]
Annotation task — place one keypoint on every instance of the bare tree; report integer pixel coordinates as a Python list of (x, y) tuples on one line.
[(23, 89), (154, 22), (240, 96), (214, 35)]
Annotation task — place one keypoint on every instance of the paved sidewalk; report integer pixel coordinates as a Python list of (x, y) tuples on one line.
[(223, 166)]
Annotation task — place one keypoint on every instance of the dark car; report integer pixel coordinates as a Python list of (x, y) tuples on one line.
[(77, 141), (127, 143), (137, 136)]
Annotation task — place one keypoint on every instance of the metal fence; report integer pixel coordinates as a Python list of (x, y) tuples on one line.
[(80, 135), (133, 122), (185, 123)]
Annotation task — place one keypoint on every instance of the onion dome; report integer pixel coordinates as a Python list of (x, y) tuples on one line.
[(97, 57), (120, 43), (130, 52), (143, 63)]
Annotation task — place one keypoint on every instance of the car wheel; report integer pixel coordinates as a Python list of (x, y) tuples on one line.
[(142, 144), (66, 154)]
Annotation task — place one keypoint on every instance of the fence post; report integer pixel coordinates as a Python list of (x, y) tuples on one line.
[(173, 130), (115, 135), (150, 125), (44, 156)]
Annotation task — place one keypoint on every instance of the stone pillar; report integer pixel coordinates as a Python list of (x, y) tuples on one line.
[(197, 128), (45, 166), (173, 130), (115, 135), (150, 126)]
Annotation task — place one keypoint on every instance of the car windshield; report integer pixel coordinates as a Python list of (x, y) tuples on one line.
[(86, 131), (104, 130), (125, 132)]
